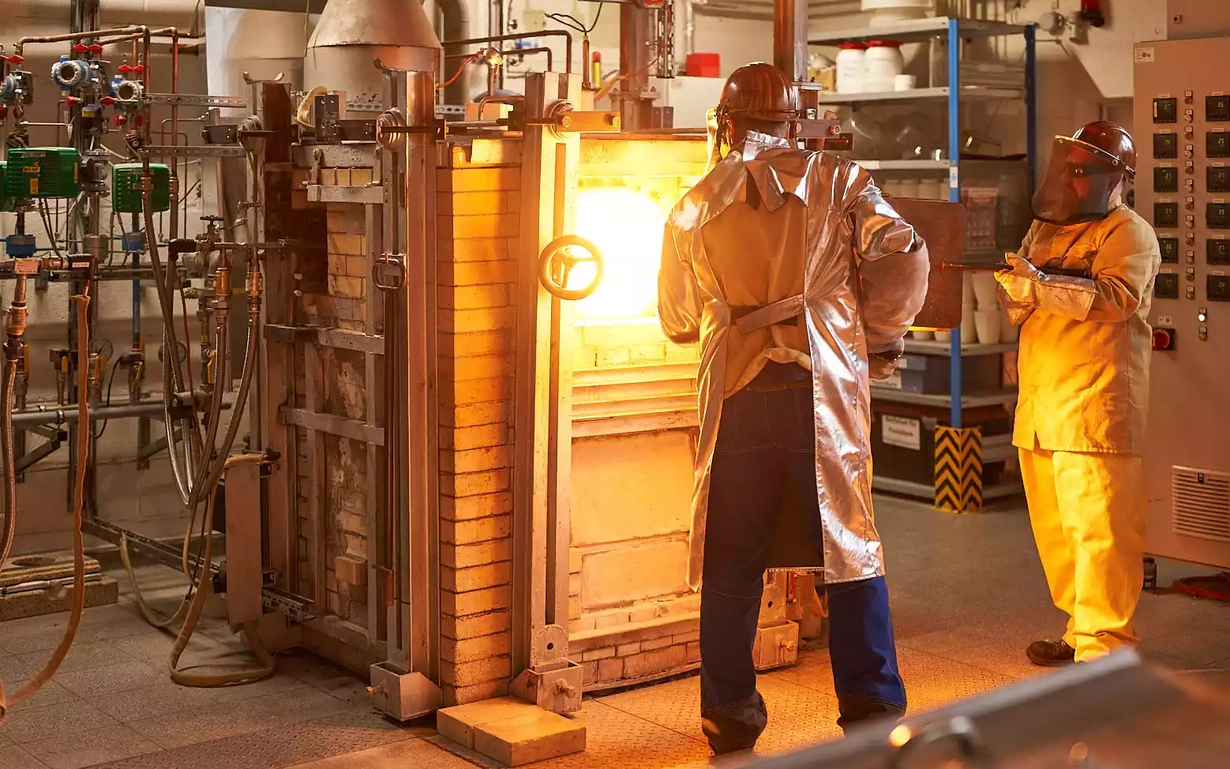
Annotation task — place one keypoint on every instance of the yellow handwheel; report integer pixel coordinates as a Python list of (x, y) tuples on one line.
[(560, 257)]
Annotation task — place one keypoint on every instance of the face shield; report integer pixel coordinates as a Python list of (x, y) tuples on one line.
[(1081, 181)]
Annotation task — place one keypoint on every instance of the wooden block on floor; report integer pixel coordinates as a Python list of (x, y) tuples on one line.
[(534, 735), (104, 592), (458, 723)]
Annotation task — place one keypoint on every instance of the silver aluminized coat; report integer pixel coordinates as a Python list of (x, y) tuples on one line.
[(865, 278)]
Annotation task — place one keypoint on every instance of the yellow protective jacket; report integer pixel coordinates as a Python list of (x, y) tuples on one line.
[(767, 223), (1084, 384)]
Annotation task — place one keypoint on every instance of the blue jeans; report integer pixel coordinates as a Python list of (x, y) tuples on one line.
[(765, 444)]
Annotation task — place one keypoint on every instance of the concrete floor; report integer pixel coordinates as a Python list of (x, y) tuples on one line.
[(967, 591)]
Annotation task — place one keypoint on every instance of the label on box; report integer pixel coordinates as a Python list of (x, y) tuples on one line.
[(902, 432), (1144, 55), (892, 383)]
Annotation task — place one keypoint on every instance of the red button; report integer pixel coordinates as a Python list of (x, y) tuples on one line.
[(1162, 339)]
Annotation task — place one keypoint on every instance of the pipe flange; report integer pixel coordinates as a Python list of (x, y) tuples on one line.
[(386, 124)]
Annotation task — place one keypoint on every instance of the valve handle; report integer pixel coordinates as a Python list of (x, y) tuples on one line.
[(560, 257), (389, 272)]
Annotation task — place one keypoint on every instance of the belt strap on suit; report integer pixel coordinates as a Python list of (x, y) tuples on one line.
[(749, 319)]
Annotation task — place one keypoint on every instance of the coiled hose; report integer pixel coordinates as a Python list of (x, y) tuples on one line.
[(83, 453)]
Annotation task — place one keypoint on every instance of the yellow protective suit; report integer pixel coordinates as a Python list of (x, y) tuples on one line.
[(1080, 418)]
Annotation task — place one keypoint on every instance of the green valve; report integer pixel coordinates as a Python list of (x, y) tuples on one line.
[(43, 172), (126, 187), (6, 201)]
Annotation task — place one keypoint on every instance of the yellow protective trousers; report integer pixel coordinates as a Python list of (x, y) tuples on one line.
[(1088, 517)]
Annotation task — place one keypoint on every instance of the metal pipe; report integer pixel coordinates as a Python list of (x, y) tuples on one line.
[(790, 38), (522, 36), (41, 415), (527, 51)]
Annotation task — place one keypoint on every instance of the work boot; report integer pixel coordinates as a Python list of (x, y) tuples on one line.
[(1050, 654), (855, 711), (735, 727)]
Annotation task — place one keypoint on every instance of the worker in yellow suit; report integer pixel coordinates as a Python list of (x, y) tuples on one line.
[(1084, 387)]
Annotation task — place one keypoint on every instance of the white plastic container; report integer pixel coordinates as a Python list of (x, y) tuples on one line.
[(904, 83), (882, 63), (851, 67), (894, 11)]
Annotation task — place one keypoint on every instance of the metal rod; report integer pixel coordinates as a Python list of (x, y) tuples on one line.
[(520, 36)]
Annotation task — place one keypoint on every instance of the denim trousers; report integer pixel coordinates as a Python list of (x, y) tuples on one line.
[(766, 444)]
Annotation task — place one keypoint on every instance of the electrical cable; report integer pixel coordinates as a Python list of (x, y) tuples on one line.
[(110, 382), (467, 62)]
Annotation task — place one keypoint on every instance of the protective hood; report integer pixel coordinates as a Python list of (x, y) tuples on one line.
[(1080, 185)]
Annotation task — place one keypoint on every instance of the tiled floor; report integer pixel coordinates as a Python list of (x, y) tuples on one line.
[(967, 591)]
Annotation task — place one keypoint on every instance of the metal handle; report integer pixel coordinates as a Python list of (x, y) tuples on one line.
[(392, 265), (961, 730)]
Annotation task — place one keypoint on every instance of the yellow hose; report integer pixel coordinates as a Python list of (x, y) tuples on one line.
[(83, 453)]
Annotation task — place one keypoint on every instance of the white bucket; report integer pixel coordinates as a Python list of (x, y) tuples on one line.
[(989, 324), (984, 289)]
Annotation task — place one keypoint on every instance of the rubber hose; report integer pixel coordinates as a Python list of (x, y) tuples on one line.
[(251, 636), (232, 429), (10, 465), (83, 453)]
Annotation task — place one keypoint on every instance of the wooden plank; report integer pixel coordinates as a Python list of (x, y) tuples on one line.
[(339, 338), (330, 424)]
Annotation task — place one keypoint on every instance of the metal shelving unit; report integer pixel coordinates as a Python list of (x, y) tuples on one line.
[(954, 93)]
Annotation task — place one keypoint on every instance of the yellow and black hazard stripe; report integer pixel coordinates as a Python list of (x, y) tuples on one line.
[(958, 469)]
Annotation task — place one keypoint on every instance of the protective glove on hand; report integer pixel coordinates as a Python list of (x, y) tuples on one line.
[(1021, 282)]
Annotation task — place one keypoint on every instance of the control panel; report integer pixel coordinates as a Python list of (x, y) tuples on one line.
[(1182, 122)]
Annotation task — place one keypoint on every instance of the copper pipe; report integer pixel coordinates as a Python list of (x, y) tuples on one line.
[(175, 131), (69, 37)]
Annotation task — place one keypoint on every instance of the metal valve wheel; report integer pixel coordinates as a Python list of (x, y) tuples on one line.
[(558, 260)]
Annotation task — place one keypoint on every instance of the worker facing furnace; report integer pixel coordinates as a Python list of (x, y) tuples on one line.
[(1084, 387), (799, 281)]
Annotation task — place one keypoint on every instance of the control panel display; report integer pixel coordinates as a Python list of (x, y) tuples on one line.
[(1170, 249), (1217, 251), (1217, 108), (1217, 144), (1165, 214), (1165, 145), (1218, 178), (1165, 179), (1217, 287), (1217, 216), (1166, 286), (1166, 110)]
